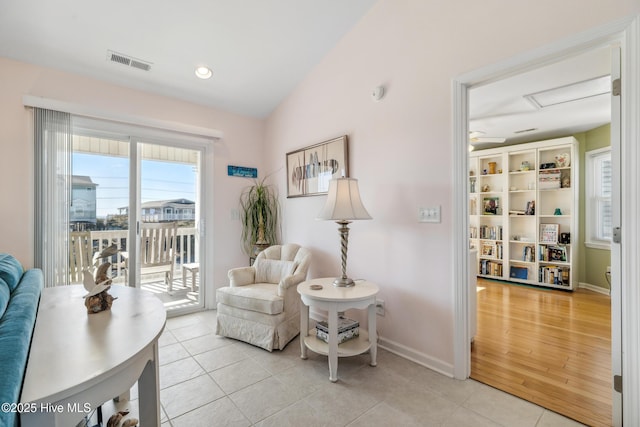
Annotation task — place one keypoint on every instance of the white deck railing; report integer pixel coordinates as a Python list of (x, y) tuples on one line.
[(101, 239)]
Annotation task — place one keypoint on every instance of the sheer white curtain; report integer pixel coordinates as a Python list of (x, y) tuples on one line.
[(52, 137)]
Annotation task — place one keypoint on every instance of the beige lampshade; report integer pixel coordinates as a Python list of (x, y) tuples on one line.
[(343, 201)]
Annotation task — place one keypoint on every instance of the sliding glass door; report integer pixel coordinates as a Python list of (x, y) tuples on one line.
[(140, 196), (168, 220)]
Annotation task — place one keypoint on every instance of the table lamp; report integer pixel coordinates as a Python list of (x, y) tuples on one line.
[(343, 206)]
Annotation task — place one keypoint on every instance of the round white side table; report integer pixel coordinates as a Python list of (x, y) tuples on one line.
[(334, 300)]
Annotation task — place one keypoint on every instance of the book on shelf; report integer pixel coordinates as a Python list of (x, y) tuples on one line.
[(553, 253), (347, 329), (490, 268), (516, 272), (554, 275), (489, 232), (528, 253), (549, 180)]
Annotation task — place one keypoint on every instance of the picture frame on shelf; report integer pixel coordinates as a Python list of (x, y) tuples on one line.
[(549, 233), (310, 169), (557, 253), (488, 250), (530, 209), (491, 206)]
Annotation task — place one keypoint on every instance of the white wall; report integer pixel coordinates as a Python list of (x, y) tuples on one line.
[(241, 145), (401, 147)]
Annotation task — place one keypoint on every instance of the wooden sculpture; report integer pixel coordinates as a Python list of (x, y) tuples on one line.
[(99, 282)]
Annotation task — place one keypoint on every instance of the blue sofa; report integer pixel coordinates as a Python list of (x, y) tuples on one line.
[(19, 296)]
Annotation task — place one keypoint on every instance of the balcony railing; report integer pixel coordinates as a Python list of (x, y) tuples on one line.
[(84, 244)]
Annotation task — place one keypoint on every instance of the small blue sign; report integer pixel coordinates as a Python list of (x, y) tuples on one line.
[(242, 171)]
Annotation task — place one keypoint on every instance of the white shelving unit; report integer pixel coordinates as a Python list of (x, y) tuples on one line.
[(518, 195)]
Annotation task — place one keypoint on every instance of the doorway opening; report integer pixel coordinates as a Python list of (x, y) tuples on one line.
[(539, 344), (627, 33)]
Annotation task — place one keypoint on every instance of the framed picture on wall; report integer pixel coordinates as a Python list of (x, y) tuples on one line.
[(310, 169)]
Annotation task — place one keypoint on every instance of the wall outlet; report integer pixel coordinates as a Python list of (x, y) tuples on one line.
[(429, 214), (608, 269), (379, 307), (235, 215)]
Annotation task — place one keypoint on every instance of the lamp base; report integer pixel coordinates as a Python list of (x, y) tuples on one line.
[(343, 282)]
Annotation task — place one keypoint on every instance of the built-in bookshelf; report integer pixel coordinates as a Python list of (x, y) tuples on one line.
[(523, 203)]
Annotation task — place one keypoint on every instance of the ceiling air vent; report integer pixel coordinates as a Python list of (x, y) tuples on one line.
[(145, 66), (128, 60), (526, 130)]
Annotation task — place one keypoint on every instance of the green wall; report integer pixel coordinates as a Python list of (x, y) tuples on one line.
[(592, 263)]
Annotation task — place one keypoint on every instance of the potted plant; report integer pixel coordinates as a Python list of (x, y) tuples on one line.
[(260, 215)]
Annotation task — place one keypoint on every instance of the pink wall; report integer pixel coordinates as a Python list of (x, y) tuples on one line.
[(241, 145), (401, 147)]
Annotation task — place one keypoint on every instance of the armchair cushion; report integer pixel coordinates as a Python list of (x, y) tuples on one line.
[(242, 276), (272, 270), (260, 297)]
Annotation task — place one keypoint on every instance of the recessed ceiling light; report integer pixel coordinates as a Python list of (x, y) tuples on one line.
[(203, 72)]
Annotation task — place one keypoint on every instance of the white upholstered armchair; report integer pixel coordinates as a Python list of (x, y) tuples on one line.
[(261, 305)]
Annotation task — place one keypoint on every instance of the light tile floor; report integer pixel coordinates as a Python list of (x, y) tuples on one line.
[(207, 380)]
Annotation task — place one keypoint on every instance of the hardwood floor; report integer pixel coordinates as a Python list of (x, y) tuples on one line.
[(550, 347)]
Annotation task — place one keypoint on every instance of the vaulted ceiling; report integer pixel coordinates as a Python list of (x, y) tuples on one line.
[(258, 50)]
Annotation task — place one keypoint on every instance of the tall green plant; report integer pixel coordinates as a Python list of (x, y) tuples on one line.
[(259, 214)]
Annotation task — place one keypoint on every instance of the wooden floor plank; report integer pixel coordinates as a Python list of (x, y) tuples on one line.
[(550, 347)]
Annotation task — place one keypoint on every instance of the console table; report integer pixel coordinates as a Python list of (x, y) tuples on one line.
[(78, 360), (338, 299)]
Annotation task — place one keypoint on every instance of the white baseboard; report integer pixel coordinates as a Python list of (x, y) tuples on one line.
[(417, 357), (594, 288), (403, 351)]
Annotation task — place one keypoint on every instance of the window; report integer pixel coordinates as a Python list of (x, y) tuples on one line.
[(598, 198)]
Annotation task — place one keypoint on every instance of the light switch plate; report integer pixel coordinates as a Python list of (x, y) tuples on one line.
[(429, 214)]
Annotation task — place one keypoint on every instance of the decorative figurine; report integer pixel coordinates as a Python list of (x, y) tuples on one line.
[(99, 282)]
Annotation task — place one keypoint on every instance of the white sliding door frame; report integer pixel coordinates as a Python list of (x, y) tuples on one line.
[(136, 137)]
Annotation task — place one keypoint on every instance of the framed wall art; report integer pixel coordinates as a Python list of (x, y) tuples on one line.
[(310, 169)]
